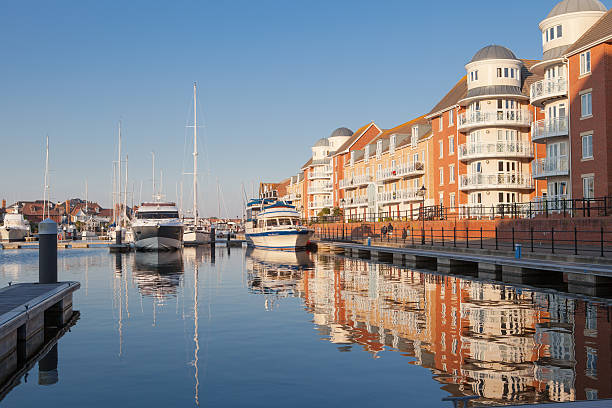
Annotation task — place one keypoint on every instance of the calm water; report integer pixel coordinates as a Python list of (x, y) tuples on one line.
[(255, 329)]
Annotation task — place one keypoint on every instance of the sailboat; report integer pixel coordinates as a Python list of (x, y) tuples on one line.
[(195, 234)]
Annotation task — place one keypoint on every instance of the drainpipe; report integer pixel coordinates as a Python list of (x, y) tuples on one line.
[(569, 133)]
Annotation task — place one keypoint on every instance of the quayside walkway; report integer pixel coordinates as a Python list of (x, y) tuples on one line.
[(580, 275)]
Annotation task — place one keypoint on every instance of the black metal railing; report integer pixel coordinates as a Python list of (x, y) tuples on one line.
[(562, 208), (552, 240)]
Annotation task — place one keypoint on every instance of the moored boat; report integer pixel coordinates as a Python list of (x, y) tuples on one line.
[(278, 226), (15, 227), (157, 227)]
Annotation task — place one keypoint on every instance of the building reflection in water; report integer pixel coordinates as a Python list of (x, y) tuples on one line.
[(503, 343)]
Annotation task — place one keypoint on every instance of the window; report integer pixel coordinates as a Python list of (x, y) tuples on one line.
[(451, 145), (379, 149), (451, 200), (591, 363), (366, 156), (415, 136), (559, 31), (392, 144), (551, 33), (588, 187), (441, 175), (451, 116), (587, 147), (587, 104), (441, 123), (585, 63), (505, 72), (441, 199), (352, 158), (284, 221), (451, 173), (441, 143), (499, 72), (271, 222)]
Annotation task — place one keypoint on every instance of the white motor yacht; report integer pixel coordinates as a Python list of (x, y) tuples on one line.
[(15, 227), (157, 227), (278, 226)]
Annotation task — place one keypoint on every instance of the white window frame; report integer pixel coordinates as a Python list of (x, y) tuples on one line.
[(366, 156), (441, 123), (587, 153), (441, 145), (441, 176), (585, 63), (586, 104), (451, 116), (451, 145), (392, 142), (451, 202), (379, 149), (588, 183), (451, 174)]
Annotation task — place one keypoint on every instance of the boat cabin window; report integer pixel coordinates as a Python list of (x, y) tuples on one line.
[(296, 221), (261, 224), (271, 222), (284, 221), (157, 215)]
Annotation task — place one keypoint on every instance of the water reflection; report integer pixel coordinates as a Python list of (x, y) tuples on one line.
[(503, 343), (158, 274)]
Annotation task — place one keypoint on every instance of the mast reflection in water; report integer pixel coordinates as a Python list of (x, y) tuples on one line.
[(158, 274), (505, 344)]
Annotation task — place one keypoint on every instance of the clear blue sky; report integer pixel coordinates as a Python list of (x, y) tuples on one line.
[(274, 77)]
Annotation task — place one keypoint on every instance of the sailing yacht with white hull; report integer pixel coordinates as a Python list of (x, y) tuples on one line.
[(195, 234)]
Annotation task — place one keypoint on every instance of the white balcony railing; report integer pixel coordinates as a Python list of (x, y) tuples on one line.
[(398, 196), (316, 205), (324, 173), (551, 203), (547, 89), (504, 181), (500, 149), (351, 202), (355, 182), (412, 169), (550, 167), (545, 128), (320, 189), (502, 117)]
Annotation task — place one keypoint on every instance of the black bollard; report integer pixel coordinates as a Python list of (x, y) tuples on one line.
[(213, 237), (47, 251), (118, 237), (47, 368)]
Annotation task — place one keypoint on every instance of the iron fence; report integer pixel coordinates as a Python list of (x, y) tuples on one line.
[(552, 240), (542, 208)]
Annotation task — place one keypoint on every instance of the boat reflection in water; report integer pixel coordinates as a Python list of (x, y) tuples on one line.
[(276, 273), (158, 274), (505, 344)]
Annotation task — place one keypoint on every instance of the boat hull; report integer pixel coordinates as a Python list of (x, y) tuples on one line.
[(195, 238), (13, 234), (280, 240), (158, 238)]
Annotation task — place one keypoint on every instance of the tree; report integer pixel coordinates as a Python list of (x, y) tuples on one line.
[(337, 212), (323, 212)]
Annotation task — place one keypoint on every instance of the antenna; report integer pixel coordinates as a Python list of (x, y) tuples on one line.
[(46, 186)]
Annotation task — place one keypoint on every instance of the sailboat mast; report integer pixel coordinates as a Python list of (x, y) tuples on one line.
[(195, 157), (153, 154), (119, 177), (125, 191)]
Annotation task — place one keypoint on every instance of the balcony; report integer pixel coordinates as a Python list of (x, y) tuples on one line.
[(355, 182), (472, 151), (502, 117), (546, 128), (413, 169), (505, 181), (353, 202), (390, 197), (325, 173), (547, 89), (320, 189), (318, 205), (550, 167)]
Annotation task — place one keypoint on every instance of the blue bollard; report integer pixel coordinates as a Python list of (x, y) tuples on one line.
[(518, 249), (369, 241)]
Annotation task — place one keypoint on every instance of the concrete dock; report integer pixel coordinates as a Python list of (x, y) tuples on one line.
[(582, 276), (26, 311)]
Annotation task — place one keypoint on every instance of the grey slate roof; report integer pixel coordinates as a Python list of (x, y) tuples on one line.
[(554, 53), (322, 142), (494, 90), (342, 131), (599, 31), (493, 52), (575, 6)]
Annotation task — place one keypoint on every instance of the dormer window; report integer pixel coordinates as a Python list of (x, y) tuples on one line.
[(366, 157), (415, 136), (379, 149), (392, 144), (474, 76)]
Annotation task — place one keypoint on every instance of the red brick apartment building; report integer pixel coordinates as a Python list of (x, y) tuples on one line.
[(511, 130)]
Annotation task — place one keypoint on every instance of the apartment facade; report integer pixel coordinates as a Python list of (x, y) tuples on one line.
[(510, 131)]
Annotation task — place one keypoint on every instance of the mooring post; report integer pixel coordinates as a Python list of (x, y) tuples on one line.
[(118, 236), (47, 368), (213, 237), (47, 251)]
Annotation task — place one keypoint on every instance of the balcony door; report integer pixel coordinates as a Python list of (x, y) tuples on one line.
[(556, 156)]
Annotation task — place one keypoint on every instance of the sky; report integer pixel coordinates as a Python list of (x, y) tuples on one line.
[(273, 77)]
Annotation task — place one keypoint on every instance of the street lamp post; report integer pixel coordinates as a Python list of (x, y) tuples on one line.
[(421, 192)]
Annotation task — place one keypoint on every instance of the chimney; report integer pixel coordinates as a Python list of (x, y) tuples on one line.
[(68, 207), (3, 204)]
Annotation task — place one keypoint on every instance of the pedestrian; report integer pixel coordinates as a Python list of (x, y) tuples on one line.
[(404, 234), (390, 228), (383, 231)]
